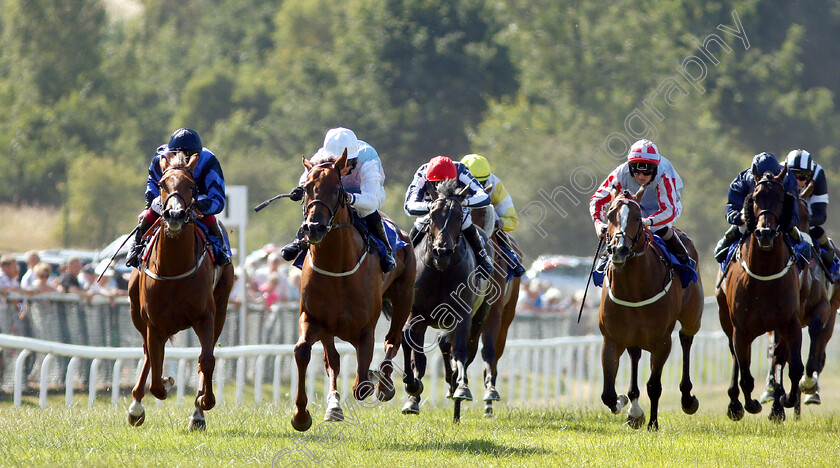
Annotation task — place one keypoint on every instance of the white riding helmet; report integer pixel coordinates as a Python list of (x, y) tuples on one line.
[(338, 139)]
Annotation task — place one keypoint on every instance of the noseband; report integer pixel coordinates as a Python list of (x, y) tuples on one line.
[(620, 234)]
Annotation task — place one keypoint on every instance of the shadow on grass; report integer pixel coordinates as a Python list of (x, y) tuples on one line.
[(475, 446)]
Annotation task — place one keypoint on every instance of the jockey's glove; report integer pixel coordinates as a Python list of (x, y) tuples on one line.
[(296, 194)]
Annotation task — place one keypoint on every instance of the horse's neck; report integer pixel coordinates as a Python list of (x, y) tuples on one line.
[(342, 243), (174, 254), (766, 261)]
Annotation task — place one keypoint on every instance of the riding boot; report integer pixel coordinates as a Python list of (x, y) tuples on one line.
[(291, 250), (518, 269), (827, 254), (722, 248), (377, 227), (485, 266), (676, 247), (217, 239), (136, 252)]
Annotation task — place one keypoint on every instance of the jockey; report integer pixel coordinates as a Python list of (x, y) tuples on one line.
[(362, 178), (417, 203), (660, 207), (210, 197), (742, 186), (503, 208), (809, 173)]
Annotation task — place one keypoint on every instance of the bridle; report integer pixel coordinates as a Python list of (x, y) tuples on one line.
[(767, 211), (193, 190), (332, 210), (620, 234)]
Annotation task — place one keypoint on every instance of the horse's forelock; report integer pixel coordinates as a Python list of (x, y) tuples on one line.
[(179, 159), (448, 188)]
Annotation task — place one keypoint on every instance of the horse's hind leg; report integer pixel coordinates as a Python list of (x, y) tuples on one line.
[(155, 344), (658, 357), (636, 415), (735, 410), (460, 354), (332, 362), (363, 387), (796, 369), (688, 401), (415, 364), (610, 353), (770, 382), (747, 382), (820, 330)]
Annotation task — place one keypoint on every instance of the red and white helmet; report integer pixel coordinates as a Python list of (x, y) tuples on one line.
[(644, 151)]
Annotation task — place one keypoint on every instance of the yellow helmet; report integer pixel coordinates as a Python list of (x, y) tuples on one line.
[(478, 165)]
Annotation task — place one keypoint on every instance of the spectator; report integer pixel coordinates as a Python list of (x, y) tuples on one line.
[(41, 274), (69, 279), (9, 273), (274, 290), (294, 284), (32, 259)]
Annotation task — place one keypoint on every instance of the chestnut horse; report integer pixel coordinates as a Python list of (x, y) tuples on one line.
[(641, 301), (176, 288), (502, 296), (447, 296), (761, 293), (819, 300), (343, 292)]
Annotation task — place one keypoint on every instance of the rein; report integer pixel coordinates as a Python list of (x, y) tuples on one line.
[(791, 258)]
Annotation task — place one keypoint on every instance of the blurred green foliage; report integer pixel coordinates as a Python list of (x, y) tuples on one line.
[(545, 89)]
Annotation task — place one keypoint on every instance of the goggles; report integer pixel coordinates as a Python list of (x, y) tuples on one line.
[(643, 168)]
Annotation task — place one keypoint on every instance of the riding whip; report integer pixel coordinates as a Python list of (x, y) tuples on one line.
[(117, 252), (268, 202), (591, 270)]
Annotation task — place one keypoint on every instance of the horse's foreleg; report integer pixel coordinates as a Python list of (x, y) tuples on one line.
[(460, 355), (301, 419), (688, 401), (743, 355), (363, 387), (654, 383), (413, 353), (205, 399), (155, 344), (735, 410), (488, 355), (636, 415), (610, 353), (770, 382), (796, 369), (820, 333), (136, 412), (445, 346), (332, 363)]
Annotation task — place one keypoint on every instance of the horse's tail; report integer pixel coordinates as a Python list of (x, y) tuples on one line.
[(387, 308)]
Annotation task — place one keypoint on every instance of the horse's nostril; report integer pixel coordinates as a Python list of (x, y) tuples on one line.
[(623, 250)]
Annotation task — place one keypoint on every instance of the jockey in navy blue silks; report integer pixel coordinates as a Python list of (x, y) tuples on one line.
[(418, 203), (210, 194), (740, 188)]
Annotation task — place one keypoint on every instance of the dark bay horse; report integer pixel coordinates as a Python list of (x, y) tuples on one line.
[(641, 302), (501, 297), (819, 300), (343, 292), (178, 287), (761, 293), (447, 296)]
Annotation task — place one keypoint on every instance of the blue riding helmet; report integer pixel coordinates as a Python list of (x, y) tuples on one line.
[(186, 140), (765, 162)]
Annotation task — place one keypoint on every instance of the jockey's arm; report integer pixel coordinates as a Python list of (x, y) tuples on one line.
[(737, 194), (211, 188), (503, 205), (818, 203), (372, 195), (479, 197), (666, 196), (152, 182), (415, 203), (599, 200)]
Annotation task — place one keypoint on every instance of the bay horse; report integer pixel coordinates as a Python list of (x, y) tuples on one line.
[(819, 300), (761, 293), (447, 296), (178, 287), (343, 291), (502, 295), (641, 302)]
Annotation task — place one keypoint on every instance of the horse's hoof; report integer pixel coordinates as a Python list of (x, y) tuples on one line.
[(753, 406), (412, 406), (653, 425), (491, 394), (488, 411), (620, 403), (812, 399), (809, 385), (777, 414), (414, 387), (636, 422), (197, 424), (692, 406), (462, 393), (304, 425), (790, 400), (385, 392), (448, 393), (136, 420), (333, 414), (363, 390), (207, 402), (735, 411)]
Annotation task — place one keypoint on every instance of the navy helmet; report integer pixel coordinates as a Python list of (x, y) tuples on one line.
[(186, 140), (765, 162)]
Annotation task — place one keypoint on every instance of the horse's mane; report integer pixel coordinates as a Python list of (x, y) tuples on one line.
[(179, 159), (448, 188)]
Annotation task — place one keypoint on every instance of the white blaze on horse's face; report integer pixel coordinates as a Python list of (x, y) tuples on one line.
[(624, 213)]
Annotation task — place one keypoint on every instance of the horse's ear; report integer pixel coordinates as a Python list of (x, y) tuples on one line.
[(489, 188), (639, 193), (464, 192), (431, 190), (192, 162), (164, 163), (748, 214), (341, 162), (306, 163), (613, 193), (783, 174), (807, 190)]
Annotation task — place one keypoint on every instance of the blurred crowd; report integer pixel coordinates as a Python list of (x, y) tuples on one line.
[(271, 282), (538, 296)]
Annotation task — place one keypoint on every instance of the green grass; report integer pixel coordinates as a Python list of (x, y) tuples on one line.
[(381, 436)]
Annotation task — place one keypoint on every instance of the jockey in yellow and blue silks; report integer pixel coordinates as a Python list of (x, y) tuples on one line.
[(502, 202), (209, 200), (364, 180)]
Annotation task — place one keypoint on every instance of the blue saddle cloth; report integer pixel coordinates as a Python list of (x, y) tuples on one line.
[(390, 230), (802, 250), (687, 273), (510, 254)]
